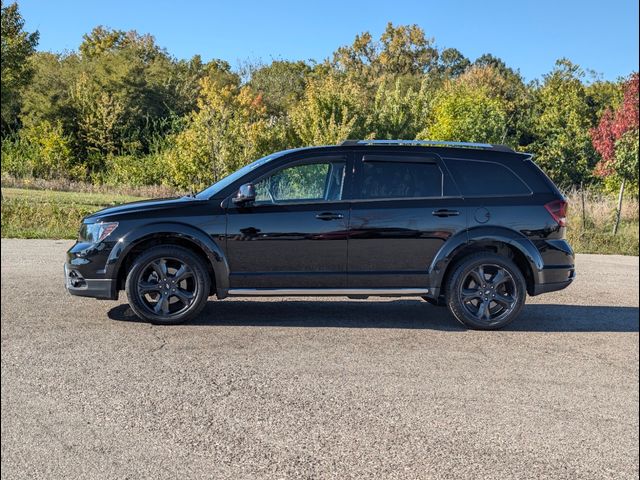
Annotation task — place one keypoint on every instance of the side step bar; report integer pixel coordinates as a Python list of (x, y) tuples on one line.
[(327, 292)]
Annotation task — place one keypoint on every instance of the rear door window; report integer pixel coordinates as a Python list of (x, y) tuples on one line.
[(477, 178), (398, 179)]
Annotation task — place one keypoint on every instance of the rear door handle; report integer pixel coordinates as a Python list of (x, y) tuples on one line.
[(329, 216), (445, 213)]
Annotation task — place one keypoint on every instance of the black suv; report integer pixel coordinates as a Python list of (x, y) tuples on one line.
[(471, 226)]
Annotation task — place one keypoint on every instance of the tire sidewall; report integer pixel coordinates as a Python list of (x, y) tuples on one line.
[(459, 274), (182, 254)]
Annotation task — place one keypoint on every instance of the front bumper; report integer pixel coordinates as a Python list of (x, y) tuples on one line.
[(85, 271), (76, 284)]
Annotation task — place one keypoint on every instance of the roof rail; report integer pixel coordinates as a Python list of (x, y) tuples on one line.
[(429, 143)]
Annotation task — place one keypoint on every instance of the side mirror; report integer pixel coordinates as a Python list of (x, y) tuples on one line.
[(246, 193)]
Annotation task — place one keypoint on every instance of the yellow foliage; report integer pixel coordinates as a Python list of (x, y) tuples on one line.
[(49, 152), (329, 112), (229, 130)]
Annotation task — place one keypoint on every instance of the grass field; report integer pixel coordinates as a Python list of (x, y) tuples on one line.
[(51, 214), (32, 213)]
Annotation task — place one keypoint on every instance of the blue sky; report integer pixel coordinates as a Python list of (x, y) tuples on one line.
[(529, 35)]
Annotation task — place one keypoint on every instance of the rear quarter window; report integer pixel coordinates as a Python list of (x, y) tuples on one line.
[(478, 178)]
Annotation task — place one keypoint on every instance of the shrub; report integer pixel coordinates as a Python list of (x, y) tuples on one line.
[(132, 170), (41, 150), (17, 157)]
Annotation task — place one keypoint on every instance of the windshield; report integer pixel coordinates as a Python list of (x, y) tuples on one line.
[(228, 180)]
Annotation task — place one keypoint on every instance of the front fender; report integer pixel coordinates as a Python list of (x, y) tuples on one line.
[(485, 235), (214, 253)]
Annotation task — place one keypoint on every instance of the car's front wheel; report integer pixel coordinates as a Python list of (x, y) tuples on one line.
[(167, 285), (486, 291)]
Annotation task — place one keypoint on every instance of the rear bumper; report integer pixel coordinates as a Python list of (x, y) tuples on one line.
[(568, 275), (558, 267), (76, 284)]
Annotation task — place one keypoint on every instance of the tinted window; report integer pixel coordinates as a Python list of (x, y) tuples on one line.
[(399, 180), (477, 178), (312, 181)]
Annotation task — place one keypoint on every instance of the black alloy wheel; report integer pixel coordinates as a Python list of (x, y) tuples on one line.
[(486, 291), (167, 285)]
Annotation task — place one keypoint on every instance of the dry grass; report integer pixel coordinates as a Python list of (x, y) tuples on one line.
[(590, 227), (66, 185)]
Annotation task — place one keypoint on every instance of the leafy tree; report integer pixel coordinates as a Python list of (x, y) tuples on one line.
[(401, 51), (468, 113), (616, 140), (281, 84), (144, 80), (330, 112), (509, 90), (41, 151), (220, 74), (561, 120), (357, 59), (17, 47), (604, 95), (488, 60), (120, 94), (49, 95), (452, 63), (103, 40), (100, 119), (229, 129), (395, 111), (405, 50)]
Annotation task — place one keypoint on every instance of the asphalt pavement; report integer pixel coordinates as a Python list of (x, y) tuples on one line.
[(272, 388)]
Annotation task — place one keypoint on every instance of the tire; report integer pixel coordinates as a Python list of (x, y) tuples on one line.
[(167, 285), (495, 305)]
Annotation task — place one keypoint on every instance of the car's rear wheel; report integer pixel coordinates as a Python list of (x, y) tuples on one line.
[(167, 285), (486, 291)]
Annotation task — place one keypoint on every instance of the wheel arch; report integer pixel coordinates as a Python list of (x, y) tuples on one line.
[(498, 240), (129, 247)]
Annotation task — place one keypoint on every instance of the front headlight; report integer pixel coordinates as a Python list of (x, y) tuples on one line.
[(96, 232)]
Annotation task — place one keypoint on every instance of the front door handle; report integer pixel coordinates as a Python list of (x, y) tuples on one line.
[(445, 213), (329, 216)]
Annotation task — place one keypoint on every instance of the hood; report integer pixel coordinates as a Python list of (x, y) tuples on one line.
[(142, 206)]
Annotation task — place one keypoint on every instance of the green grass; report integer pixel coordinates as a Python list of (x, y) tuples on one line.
[(30, 213), (51, 214)]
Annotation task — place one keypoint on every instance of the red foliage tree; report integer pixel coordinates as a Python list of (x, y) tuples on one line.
[(613, 125), (619, 155)]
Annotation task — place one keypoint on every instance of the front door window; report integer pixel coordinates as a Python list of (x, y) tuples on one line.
[(310, 182)]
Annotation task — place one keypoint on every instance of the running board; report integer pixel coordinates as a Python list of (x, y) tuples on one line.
[(326, 292)]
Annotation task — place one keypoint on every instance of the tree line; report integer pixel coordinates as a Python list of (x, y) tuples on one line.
[(121, 109)]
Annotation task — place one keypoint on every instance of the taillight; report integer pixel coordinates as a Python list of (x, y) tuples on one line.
[(558, 210)]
